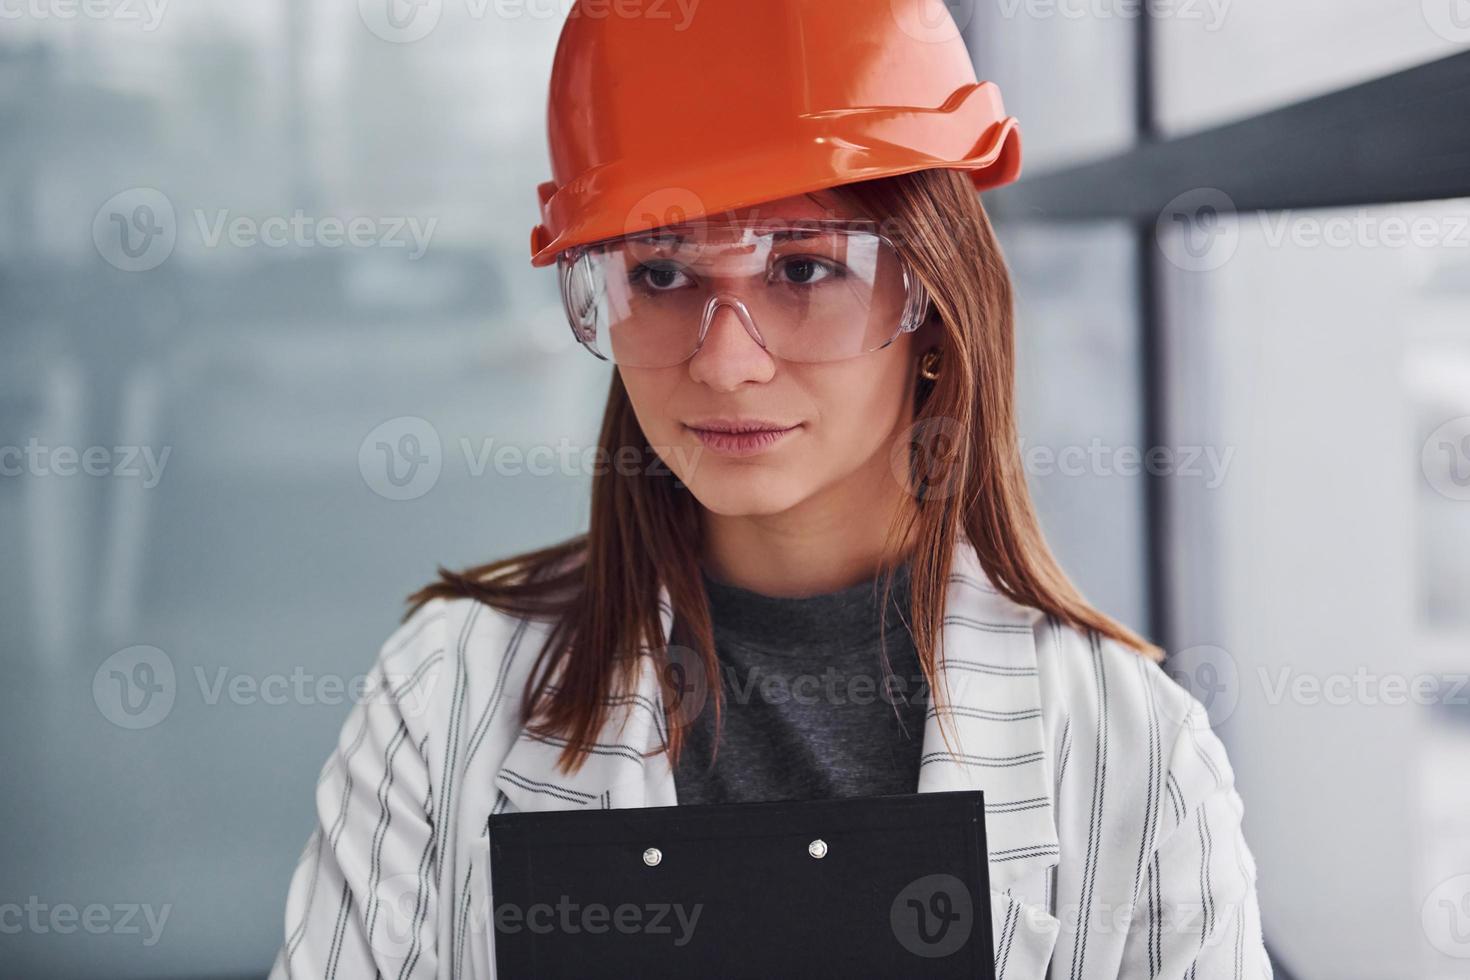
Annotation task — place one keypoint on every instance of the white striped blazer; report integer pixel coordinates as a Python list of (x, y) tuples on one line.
[(1114, 826)]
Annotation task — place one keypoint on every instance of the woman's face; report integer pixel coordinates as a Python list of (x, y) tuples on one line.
[(834, 421)]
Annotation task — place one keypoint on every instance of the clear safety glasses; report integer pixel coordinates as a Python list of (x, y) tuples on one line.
[(804, 291)]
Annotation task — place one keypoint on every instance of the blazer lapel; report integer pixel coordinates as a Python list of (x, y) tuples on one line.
[(987, 662), (992, 702), (628, 766)]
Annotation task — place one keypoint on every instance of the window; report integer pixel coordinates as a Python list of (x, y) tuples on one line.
[(1290, 297)]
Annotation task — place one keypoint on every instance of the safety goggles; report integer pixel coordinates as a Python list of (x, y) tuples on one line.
[(811, 290)]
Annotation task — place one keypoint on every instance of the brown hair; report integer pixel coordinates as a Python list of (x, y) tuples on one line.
[(601, 589)]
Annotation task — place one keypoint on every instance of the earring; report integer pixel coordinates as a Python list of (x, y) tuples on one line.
[(929, 364)]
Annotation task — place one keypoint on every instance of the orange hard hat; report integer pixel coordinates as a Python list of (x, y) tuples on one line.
[(657, 116)]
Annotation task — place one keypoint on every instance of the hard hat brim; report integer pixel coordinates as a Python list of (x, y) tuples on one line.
[(829, 149)]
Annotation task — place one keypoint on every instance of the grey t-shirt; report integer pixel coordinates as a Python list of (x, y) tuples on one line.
[(809, 710)]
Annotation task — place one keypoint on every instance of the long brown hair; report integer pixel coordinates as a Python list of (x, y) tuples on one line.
[(601, 589)]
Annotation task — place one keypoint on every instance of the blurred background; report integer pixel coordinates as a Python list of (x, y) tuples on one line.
[(271, 349)]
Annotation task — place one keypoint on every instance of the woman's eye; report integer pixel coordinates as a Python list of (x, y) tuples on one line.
[(660, 278), (803, 270)]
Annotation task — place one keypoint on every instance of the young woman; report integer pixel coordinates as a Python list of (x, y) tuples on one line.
[(812, 568)]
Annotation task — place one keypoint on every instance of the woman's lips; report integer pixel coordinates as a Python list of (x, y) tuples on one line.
[(740, 440)]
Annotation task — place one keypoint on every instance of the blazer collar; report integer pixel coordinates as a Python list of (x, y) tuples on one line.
[(987, 662)]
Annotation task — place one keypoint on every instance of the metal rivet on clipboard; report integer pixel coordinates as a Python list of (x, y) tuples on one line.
[(652, 856), (817, 848)]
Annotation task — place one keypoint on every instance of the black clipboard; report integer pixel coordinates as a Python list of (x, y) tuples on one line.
[(885, 886)]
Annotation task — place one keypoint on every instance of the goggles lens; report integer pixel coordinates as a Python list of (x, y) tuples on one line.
[(809, 291)]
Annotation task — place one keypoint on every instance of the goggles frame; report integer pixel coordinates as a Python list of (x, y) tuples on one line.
[(583, 324)]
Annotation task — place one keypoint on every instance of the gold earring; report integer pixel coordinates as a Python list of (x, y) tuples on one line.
[(929, 364)]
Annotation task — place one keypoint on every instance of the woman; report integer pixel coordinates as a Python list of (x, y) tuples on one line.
[(766, 217)]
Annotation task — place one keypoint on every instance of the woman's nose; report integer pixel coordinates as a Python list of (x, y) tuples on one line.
[(731, 354)]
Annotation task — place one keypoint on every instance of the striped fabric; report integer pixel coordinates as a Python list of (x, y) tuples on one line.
[(1113, 822)]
